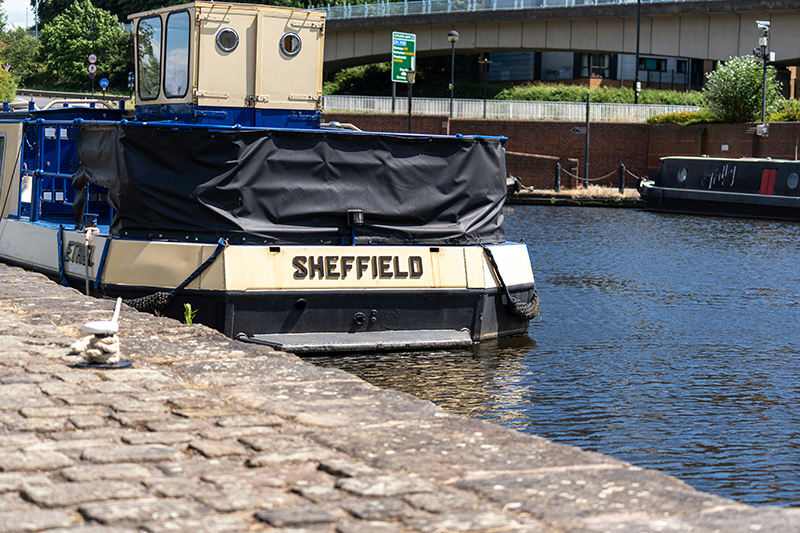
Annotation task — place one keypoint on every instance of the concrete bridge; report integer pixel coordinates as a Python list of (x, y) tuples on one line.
[(705, 30)]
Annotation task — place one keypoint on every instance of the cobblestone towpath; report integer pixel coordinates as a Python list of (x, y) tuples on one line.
[(205, 434)]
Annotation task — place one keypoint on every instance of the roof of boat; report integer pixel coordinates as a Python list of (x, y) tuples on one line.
[(731, 159)]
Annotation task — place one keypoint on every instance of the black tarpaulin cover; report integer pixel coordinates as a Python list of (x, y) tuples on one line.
[(283, 186)]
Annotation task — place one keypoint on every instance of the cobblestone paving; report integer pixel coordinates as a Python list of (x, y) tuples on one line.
[(205, 434)]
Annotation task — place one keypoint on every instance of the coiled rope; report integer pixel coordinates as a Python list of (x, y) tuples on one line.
[(159, 301), (517, 307)]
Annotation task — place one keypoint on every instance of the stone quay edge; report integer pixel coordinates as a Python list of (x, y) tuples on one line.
[(206, 434)]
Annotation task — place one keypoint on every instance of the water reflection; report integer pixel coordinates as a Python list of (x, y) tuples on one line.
[(665, 340)]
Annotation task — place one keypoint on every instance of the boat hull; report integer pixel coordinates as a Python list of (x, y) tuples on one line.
[(254, 292), (716, 203)]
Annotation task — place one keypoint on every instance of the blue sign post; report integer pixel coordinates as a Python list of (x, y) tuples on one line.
[(104, 86)]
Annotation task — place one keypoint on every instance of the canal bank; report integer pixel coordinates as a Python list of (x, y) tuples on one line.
[(207, 434), (593, 196)]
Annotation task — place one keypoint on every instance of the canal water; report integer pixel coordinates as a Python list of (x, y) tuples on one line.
[(665, 340)]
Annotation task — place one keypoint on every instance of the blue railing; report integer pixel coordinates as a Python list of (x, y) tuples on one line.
[(425, 7)]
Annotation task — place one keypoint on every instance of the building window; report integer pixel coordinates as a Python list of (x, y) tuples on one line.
[(681, 66), (652, 63), (595, 65)]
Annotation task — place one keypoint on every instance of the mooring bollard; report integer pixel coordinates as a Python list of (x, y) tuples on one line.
[(557, 184), (622, 179)]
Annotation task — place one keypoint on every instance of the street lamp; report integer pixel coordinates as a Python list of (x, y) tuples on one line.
[(484, 62), (410, 75), (636, 85), (762, 53), (452, 36)]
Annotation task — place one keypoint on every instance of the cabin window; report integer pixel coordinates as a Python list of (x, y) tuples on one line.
[(227, 39), (290, 44), (793, 180), (682, 175), (176, 58), (148, 38)]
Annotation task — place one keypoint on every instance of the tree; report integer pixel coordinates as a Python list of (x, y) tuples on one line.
[(733, 92), (70, 37), (19, 49)]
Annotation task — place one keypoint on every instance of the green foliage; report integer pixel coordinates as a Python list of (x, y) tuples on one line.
[(365, 80), (433, 79), (69, 38), (50, 9), (733, 92), (550, 92), (8, 87), (788, 111), (188, 313), (684, 118), (19, 49)]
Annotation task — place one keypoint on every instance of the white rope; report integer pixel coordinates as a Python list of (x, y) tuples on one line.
[(634, 175), (568, 173)]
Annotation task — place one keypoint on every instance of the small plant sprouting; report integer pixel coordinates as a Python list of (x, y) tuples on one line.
[(188, 313)]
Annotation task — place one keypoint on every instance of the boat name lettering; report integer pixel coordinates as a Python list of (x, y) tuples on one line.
[(339, 267), (720, 178), (75, 252)]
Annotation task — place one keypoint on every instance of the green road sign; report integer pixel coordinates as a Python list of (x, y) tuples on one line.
[(404, 49)]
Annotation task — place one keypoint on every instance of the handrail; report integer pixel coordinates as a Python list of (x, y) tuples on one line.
[(92, 103), (384, 8), (499, 109)]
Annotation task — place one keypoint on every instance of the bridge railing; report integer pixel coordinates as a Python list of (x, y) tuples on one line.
[(423, 7), (500, 109)]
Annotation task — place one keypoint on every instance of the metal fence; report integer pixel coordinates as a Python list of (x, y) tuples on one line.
[(424, 7), (500, 109)]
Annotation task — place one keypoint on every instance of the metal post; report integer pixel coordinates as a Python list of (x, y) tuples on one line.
[(622, 179), (394, 95), (452, 36), (636, 85), (410, 75), (409, 107), (557, 184), (453, 73), (764, 89), (586, 148), (484, 62)]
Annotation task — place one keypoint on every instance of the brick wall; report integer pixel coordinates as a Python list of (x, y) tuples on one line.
[(538, 171), (637, 146)]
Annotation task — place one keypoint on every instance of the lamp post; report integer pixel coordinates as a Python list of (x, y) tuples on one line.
[(636, 86), (410, 75), (762, 53), (484, 62), (452, 36)]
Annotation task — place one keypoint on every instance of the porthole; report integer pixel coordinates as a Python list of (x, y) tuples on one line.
[(227, 39), (290, 44), (793, 180), (682, 175)]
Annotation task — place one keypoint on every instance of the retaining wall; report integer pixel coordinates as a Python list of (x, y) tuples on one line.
[(637, 146)]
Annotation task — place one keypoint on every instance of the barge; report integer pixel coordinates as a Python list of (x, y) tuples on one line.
[(746, 187), (225, 196)]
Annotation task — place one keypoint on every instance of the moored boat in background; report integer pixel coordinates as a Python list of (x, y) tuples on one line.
[(746, 187)]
